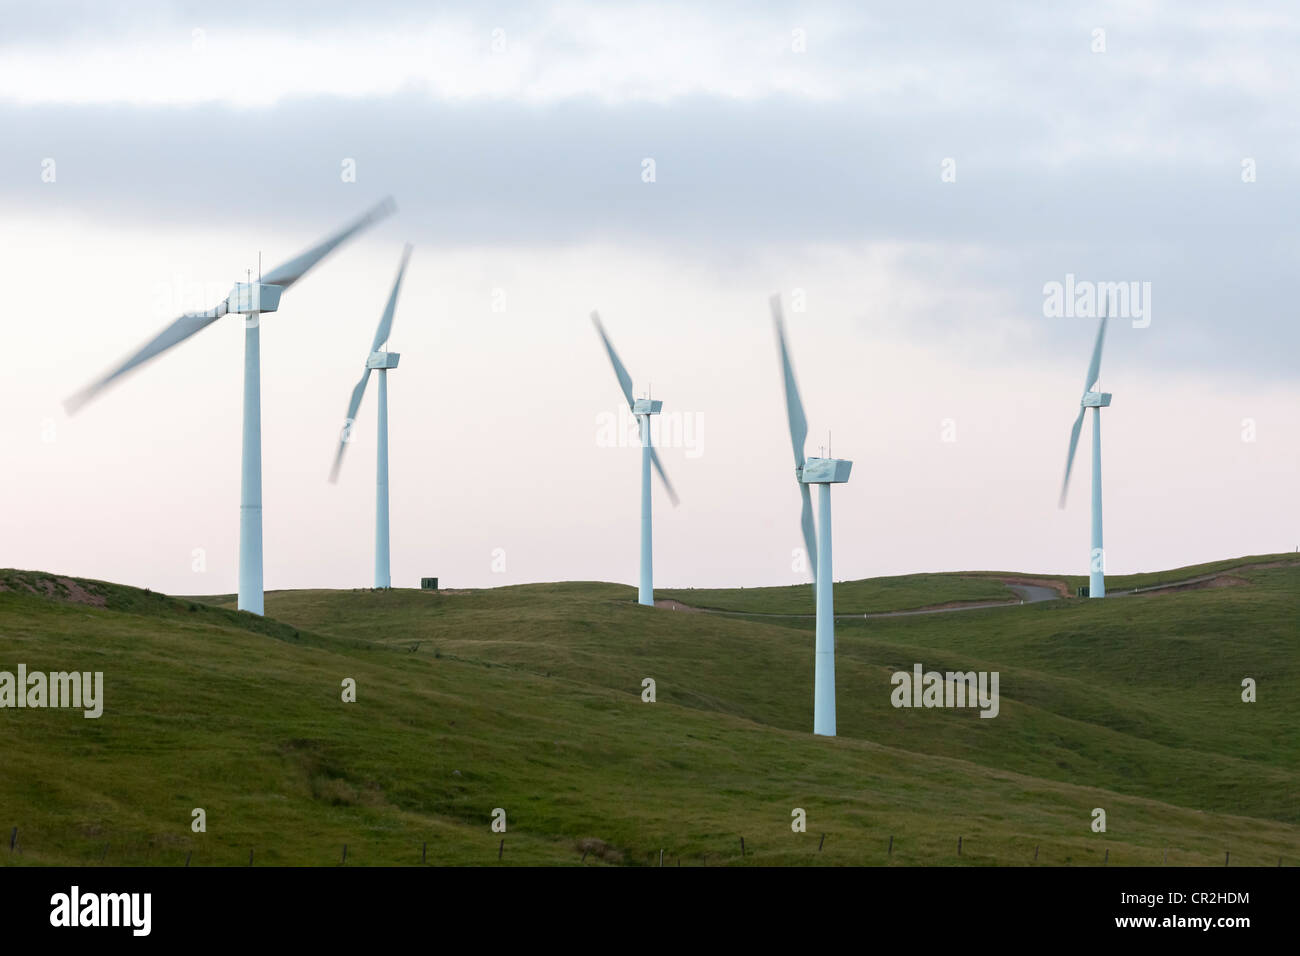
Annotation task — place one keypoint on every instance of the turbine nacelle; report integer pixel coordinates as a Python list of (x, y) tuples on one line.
[(823, 471), (1095, 399), (383, 360), (645, 406), (248, 297)]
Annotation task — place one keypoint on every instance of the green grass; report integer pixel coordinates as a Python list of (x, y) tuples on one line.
[(1121, 582), (532, 694), (901, 593)]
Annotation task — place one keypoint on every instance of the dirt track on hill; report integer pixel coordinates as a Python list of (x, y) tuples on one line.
[(1031, 591)]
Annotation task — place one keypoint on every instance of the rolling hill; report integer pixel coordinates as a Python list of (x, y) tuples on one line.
[(528, 698)]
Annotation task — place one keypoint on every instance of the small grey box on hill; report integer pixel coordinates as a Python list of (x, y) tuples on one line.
[(429, 584)]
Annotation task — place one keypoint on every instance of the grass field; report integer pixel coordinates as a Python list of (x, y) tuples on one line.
[(529, 698), (874, 595), (1120, 582)]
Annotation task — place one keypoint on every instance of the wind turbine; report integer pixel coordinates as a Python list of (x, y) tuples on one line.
[(250, 299), (1096, 401), (382, 361), (822, 472), (642, 408)]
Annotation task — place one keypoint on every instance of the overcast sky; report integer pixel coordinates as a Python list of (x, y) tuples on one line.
[(913, 174)]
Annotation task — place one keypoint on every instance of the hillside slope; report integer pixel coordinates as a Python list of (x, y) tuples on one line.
[(529, 699), (1141, 695)]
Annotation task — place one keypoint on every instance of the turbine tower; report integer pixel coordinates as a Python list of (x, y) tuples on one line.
[(822, 472), (249, 299), (642, 408), (1096, 401), (381, 361)]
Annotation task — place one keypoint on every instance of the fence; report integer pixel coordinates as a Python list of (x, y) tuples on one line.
[(422, 853)]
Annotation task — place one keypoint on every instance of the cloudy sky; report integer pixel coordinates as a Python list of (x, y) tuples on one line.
[(909, 176)]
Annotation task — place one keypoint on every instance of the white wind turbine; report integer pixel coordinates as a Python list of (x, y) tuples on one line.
[(250, 299), (1096, 401), (643, 409), (381, 361), (822, 472)]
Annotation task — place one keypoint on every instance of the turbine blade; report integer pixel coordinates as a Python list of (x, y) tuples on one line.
[(793, 407), (386, 323), (668, 485), (809, 529), (354, 406), (1069, 460), (1094, 367), (624, 379), (798, 434), (293, 270), (174, 334)]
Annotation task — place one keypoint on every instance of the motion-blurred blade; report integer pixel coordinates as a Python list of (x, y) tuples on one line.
[(354, 406), (293, 270), (1094, 367), (624, 379), (668, 485), (386, 323), (809, 530), (793, 407), (1069, 460), (174, 334)]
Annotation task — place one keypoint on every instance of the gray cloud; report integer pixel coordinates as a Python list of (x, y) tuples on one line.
[(1117, 167), (730, 176)]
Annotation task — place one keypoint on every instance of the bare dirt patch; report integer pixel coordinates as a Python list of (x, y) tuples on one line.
[(1060, 587), (53, 588), (75, 593)]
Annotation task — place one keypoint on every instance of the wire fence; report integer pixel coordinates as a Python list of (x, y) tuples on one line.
[(106, 854)]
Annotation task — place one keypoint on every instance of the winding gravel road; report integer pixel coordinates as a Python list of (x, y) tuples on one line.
[(1029, 594)]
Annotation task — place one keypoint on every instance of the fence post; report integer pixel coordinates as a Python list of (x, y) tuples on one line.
[(1106, 858), (345, 853), (661, 857), (250, 857), (424, 851), (823, 841), (187, 857), (1225, 857), (13, 839), (502, 848), (742, 846), (891, 845), (1035, 854), (959, 846)]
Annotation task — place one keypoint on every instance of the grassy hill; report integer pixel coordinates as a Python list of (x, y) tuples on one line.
[(874, 595), (528, 698)]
